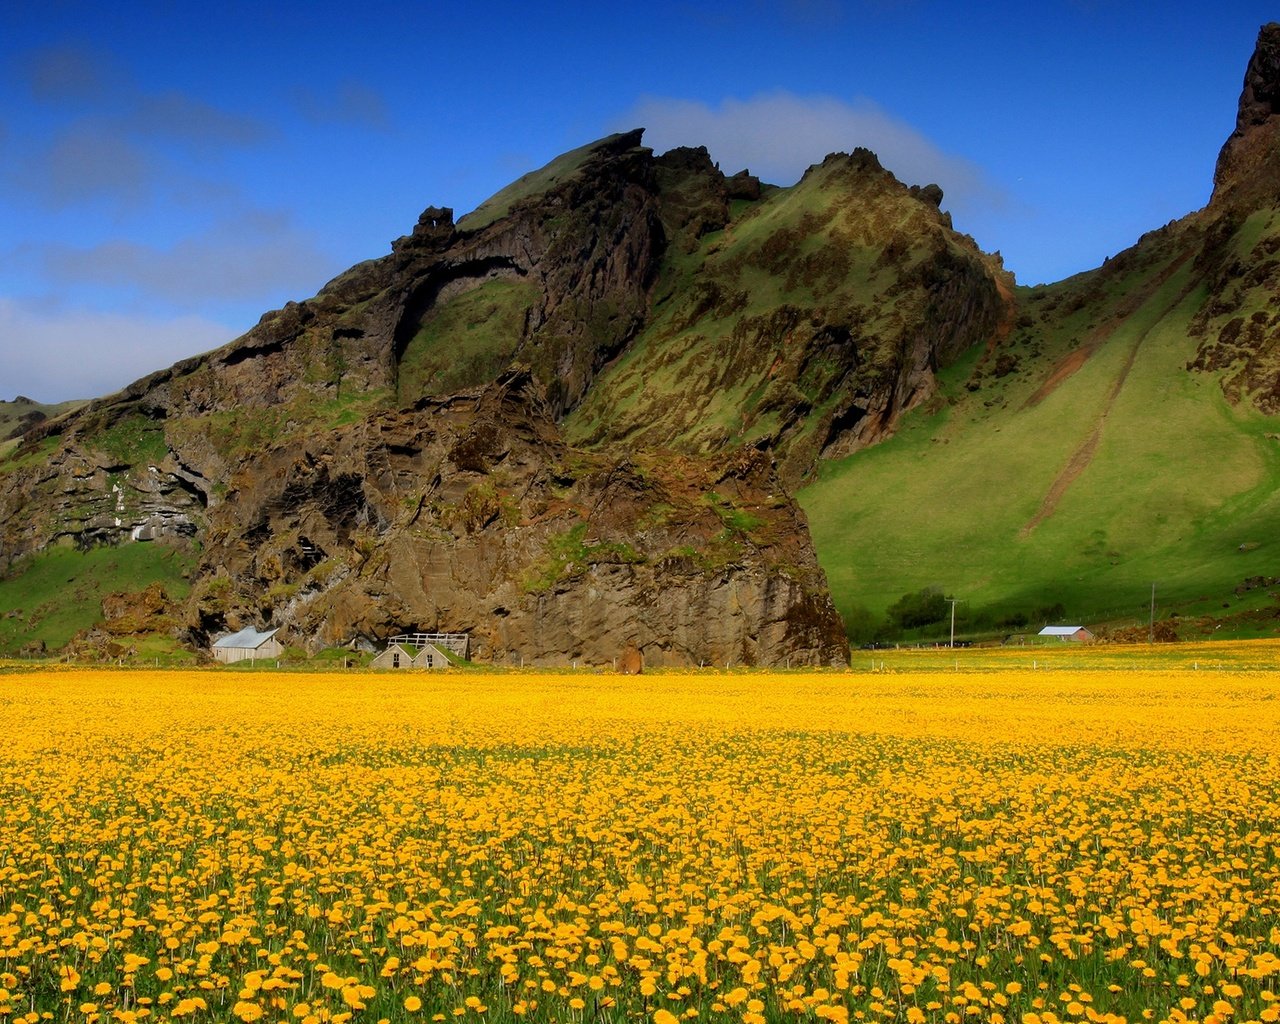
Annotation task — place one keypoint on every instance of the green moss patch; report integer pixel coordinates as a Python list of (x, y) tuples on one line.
[(466, 341)]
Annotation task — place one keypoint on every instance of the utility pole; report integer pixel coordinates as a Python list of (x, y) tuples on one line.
[(1151, 622), (954, 601)]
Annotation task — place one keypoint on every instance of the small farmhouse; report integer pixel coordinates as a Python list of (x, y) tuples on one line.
[(247, 644), (409, 656), (1078, 634)]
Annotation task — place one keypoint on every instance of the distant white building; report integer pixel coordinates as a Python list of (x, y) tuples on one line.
[(247, 644), (1077, 633)]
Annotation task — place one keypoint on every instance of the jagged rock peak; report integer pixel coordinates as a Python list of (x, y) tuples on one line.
[(1260, 99), (743, 185), (857, 166), (689, 158), (434, 218), (695, 161), (619, 142), (1249, 165), (861, 159), (434, 231), (615, 149), (929, 193)]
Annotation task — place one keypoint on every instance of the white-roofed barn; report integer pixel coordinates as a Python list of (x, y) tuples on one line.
[(248, 644)]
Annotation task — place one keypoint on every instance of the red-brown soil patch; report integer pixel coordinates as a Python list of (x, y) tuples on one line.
[(1067, 365), (1129, 305), (1007, 319)]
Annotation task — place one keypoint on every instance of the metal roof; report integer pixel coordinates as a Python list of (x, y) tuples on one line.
[(248, 638), (1060, 630)]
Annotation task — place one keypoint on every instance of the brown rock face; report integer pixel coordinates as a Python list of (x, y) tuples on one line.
[(1248, 168), (82, 496), (1237, 326), (128, 613), (470, 514), (631, 663)]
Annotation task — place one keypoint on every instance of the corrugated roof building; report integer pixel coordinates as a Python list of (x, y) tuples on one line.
[(247, 644), (1077, 633)]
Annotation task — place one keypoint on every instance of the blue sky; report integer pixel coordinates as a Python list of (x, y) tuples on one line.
[(170, 171)]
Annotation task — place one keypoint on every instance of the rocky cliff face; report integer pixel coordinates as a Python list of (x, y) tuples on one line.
[(1236, 241), (470, 514), (1248, 170), (85, 489)]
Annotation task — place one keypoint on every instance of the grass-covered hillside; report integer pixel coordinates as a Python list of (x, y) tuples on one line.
[(22, 414), (465, 341), (60, 593), (1063, 472), (812, 313)]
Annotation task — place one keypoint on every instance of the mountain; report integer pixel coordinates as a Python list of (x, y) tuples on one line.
[(1122, 435), (572, 422), (386, 457), (806, 321)]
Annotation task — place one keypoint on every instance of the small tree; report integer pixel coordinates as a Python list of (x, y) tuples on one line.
[(921, 608)]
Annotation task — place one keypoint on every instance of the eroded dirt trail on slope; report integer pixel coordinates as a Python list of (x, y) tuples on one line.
[(1094, 340), (1084, 453)]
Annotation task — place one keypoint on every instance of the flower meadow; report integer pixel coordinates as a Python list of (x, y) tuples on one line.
[(1004, 846)]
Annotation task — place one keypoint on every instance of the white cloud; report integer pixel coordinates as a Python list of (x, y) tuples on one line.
[(86, 163), (350, 102), (54, 355), (778, 135), (247, 258), (112, 141)]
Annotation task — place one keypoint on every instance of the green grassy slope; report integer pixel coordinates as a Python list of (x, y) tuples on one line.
[(22, 413), (467, 340), (562, 168), (53, 596), (1093, 467), (14, 414)]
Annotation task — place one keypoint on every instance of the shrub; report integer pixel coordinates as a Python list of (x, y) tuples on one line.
[(921, 608)]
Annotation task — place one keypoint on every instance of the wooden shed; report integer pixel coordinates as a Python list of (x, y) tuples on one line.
[(248, 644)]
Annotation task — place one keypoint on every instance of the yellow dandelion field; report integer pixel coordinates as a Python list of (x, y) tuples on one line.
[(991, 846)]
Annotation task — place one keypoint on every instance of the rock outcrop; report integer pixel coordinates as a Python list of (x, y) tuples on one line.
[(82, 495), (470, 514), (1248, 170), (1237, 244)]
